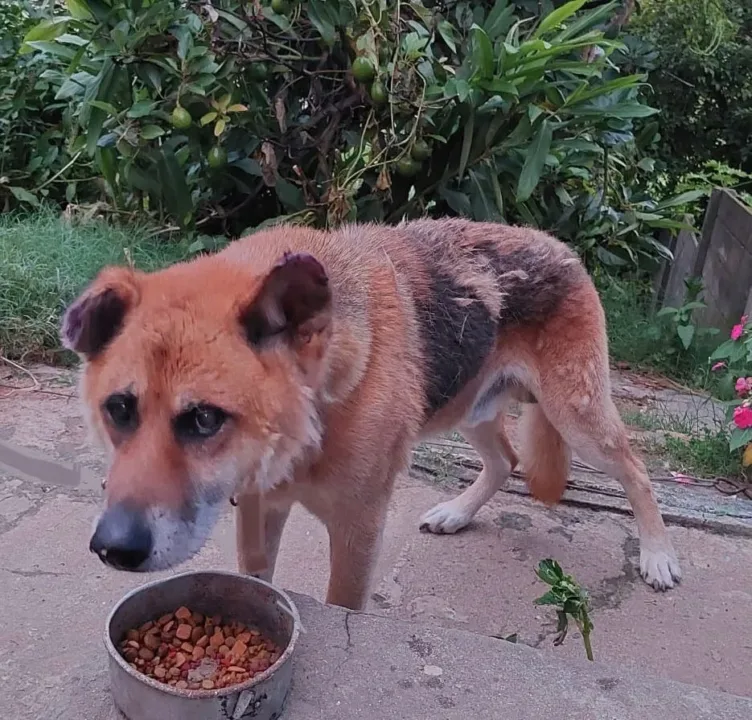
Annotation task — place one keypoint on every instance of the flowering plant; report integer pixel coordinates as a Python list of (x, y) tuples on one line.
[(735, 358)]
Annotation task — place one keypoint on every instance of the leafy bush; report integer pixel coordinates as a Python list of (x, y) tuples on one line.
[(699, 53), (33, 126), (233, 114)]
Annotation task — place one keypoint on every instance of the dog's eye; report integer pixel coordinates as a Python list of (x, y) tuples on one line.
[(122, 411), (201, 421)]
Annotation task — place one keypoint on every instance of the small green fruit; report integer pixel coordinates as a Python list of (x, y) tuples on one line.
[(217, 157), (281, 7), (421, 150), (407, 167), (378, 93), (363, 70), (181, 118), (258, 71)]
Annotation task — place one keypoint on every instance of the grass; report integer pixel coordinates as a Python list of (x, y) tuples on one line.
[(705, 455), (45, 261), (688, 445)]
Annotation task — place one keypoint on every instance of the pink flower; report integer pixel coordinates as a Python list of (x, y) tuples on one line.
[(738, 330), (743, 386), (743, 417), (718, 366)]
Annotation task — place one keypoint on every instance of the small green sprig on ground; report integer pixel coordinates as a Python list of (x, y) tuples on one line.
[(570, 599)]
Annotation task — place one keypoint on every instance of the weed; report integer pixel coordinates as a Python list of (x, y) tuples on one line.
[(684, 332), (570, 599), (638, 337)]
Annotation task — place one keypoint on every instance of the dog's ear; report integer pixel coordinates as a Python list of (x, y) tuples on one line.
[(96, 316), (294, 301)]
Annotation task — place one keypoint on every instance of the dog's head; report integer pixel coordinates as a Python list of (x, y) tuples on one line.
[(200, 380)]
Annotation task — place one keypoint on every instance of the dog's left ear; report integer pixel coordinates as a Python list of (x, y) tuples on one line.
[(294, 301)]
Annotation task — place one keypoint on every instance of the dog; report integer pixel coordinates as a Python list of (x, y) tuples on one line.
[(302, 366)]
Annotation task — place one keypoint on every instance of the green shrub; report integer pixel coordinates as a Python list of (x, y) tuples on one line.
[(229, 115), (34, 164)]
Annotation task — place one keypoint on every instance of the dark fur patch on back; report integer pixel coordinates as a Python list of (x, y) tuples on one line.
[(457, 338), (534, 281)]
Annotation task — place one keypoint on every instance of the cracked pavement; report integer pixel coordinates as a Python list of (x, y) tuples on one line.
[(55, 595)]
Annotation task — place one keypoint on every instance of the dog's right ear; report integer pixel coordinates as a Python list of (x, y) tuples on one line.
[(294, 300), (97, 315)]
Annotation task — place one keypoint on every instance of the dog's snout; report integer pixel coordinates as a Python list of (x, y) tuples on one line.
[(122, 538)]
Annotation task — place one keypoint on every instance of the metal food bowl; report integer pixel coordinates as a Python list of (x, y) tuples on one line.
[(238, 597)]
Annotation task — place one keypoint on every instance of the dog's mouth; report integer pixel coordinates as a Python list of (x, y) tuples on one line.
[(133, 539)]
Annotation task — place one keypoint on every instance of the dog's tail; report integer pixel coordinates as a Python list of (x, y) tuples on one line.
[(544, 454)]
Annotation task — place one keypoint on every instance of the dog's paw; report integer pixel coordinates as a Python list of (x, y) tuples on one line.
[(444, 519), (660, 569)]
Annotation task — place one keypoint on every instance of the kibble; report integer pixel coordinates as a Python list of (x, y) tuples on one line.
[(190, 651)]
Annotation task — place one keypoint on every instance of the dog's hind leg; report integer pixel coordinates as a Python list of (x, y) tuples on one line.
[(599, 438), (575, 403), (499, 459)]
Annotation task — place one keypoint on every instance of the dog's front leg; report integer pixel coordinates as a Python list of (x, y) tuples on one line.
[(258, 534), (354, 544)]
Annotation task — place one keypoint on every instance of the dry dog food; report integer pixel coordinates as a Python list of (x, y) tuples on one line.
[(190, 651)]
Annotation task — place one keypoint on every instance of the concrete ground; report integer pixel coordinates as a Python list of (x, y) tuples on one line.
[(54, 595)]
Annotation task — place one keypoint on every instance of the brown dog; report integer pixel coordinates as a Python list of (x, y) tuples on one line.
[(304, 365)]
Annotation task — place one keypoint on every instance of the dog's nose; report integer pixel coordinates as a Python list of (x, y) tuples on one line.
[(122, 538)]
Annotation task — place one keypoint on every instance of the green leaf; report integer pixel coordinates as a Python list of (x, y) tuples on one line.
[(78, 9), (105, 106), (324, 18), (498, 197), (623, 111), (549, 598), (558, 16), (185, 40), (101, 89), (723, 351), (24, 196), (151, 132), (142, 108), (587, 20), (457, 201), (177, 195), (482, 53), (499, 19), (686, 333), (290, 195), (209, 117), (107, 162), (45, 30), (549, 571), (535, 160), (665, 312), (448, 34), (686, 198), (52, 48), (585, 92), (467, 142), (740, 438)]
